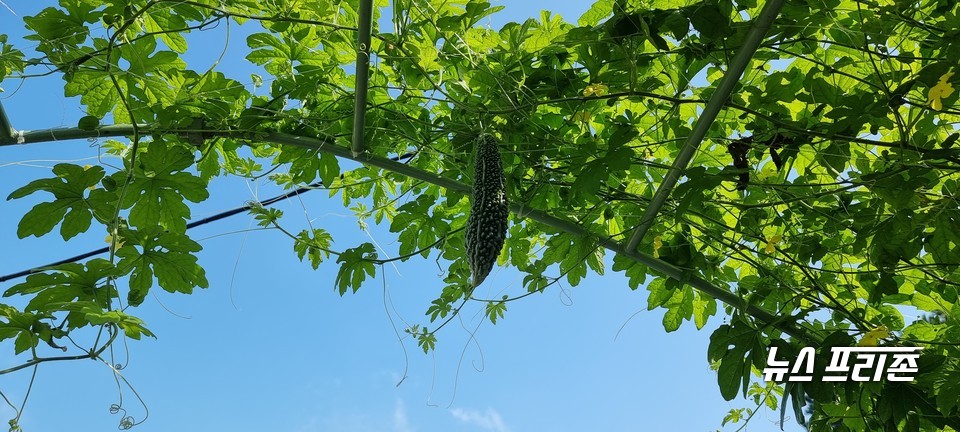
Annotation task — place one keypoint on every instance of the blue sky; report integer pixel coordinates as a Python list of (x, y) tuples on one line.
[(271, 346)]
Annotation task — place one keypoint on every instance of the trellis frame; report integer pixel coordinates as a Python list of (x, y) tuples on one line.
[(356, 152), (720, 96)]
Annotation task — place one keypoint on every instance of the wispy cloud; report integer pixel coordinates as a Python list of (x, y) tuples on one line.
[(377, 420), (489, 420), (400, 421)]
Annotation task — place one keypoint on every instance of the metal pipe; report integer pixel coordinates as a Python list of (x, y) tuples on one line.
[(364, 30), (717, 100), (8, 135), (327, 145)]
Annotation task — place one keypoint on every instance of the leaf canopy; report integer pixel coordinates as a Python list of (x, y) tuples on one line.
[(824, 194)]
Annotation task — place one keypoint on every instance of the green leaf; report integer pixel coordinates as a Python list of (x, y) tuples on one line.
[(160, 186), (153, 253), (951, 139), (75, 205), (355, 266), (315, 245), (19, 325), (835, 156), (88, 123), (25, 340), (678, 25), (659, 293), (733, 416), (600, 10), (96, 91), (66, 284), (948, 393), (420, 225), (132, 326), (679, 307), (897, 240), (11, 59), (278, 54), (944, 242), (160, 22), (730, 374), (703, 308), (730, 344), (710, 22), (427, 341), (672, 318), (573, 254), (588, 183), (306, 166), (495, 310), (635, 272), (794, 391), (55, 28)]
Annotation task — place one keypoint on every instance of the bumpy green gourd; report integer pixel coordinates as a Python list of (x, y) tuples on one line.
[(487, 223)]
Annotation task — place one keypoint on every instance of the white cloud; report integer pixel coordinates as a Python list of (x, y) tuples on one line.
[(360, 421), (489, 420), (400, 421)]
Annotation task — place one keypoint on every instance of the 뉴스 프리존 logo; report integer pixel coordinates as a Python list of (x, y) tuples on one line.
[(869, 364)]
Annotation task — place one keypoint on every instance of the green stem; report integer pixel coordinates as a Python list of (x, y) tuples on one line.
[(90, 355)]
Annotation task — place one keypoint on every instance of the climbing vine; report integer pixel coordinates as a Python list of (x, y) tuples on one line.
[(820, 206)]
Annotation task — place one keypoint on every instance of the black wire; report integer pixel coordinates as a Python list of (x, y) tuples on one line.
[(193, 224)]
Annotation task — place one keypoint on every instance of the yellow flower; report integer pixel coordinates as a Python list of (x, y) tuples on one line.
[(942, 90), (657, 244), (109, 240), (772, 243), (595, 90), (873, 336)]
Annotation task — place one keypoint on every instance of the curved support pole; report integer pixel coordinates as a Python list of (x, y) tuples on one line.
[(328, 145), (8, 135)]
